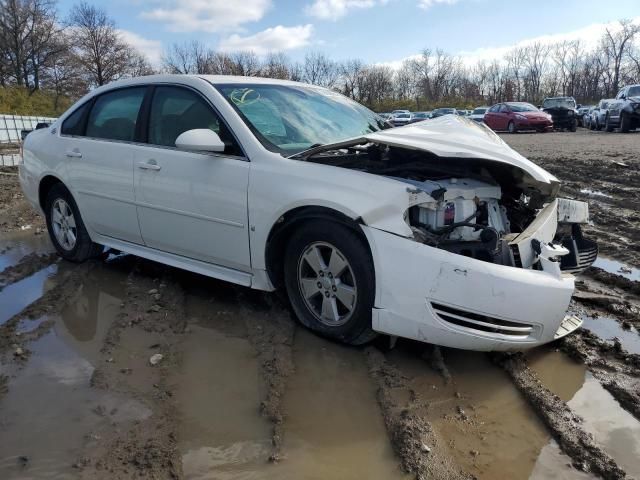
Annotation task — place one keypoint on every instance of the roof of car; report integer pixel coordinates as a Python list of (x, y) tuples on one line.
[(214, 79)]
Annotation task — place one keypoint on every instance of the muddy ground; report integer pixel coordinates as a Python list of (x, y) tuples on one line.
[(123, 368)]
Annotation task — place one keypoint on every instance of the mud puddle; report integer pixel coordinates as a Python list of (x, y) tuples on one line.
[(595, 193), (608, 328), (617, 268), (488, 426), (16, 245), (613, 428), (222, 434), (17, 296), (332, 426), (49, 409)]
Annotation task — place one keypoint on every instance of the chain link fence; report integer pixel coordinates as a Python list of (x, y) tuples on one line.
[(11, 128)]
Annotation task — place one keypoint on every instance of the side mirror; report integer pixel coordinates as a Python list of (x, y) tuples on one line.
[(200, 140)]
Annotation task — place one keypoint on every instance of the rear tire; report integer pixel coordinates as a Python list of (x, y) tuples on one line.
[(330, 281), (66, 228)]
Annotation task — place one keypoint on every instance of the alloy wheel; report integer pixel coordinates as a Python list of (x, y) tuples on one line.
[(64, 224), (327, 284)]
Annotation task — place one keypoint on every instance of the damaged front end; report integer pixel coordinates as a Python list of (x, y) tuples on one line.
[(514, 244), (472, 195)]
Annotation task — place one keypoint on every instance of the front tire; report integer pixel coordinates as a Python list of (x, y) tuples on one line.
[(330, 281), (573, 126), (625, 122), (512, 127), (607, 125), (66, 228)]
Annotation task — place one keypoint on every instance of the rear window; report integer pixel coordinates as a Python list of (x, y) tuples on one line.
[(74, 124), (114, 114)]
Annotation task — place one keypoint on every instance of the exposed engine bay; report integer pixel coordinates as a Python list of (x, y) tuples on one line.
[(477, 208)]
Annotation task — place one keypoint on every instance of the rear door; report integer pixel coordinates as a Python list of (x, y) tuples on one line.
[(192, 204), (98, 142)]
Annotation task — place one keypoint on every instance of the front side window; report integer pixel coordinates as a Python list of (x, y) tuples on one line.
[(73, 125), (175, 110), (290, 119), (114, 114)]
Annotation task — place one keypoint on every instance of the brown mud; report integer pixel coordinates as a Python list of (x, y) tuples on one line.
[(237, 389)]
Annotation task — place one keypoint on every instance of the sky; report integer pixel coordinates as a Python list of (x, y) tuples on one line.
[(376, 31)]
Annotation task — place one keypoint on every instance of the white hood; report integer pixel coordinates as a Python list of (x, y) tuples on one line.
[(455, 136)]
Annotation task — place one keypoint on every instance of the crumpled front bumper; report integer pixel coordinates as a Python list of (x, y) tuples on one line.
[(435, 296)]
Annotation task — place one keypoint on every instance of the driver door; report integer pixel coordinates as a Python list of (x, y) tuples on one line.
[(191, 204)]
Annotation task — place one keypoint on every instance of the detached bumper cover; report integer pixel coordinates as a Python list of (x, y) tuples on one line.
[(435, 296)]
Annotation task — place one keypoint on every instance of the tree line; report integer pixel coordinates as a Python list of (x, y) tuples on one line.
[(45, 56)]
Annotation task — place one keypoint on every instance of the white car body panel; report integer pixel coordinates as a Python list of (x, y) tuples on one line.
[(213, 213)]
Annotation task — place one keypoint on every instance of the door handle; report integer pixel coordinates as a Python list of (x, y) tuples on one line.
[(73, 154), (149, 165)]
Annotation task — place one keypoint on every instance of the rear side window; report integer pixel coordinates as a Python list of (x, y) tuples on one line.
[(114, 114), (73, 125)]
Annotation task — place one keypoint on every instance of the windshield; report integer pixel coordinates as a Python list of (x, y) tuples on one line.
[(559, 102), (634, 91), (521, 107), (403, 115), (289, 118), (479, 111)]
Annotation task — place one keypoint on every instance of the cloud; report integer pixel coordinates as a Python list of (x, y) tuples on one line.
[(274, 39), (152, 49), (335, 9), (589, 36), (427, 4), (207, 15)]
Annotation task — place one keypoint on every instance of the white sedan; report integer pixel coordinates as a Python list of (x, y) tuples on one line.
[(436, 231)]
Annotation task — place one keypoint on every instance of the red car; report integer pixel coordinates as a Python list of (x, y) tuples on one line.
[(514, 116)]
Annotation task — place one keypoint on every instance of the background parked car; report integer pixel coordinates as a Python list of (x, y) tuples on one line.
[(478, 114), (514, 116), (582, 112), (563, 112), (599, 114), (438, 112), (624, 111), (385, 115), (419, 116), (396, 112), (400, 119)]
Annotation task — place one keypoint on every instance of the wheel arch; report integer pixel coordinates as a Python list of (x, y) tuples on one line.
[(44, 187), (287, 224)]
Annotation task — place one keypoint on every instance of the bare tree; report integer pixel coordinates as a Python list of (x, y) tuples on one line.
[(318, 69), (616, 44), (28, 39), (97, 46)]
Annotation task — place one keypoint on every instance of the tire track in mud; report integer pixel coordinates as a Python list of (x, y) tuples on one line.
[(27, 266), (617, 370), (562, 422), (271, 331), (415, 442), (152, 322)]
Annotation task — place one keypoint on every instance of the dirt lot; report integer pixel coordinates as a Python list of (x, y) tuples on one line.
[(122, 368)]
